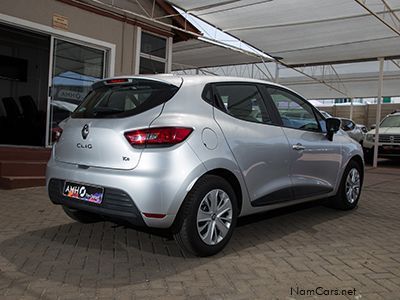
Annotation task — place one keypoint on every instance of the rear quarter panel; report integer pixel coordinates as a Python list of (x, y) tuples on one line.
[(188, 109)]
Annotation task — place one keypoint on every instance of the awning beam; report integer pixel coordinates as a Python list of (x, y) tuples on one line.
[(395, 30)]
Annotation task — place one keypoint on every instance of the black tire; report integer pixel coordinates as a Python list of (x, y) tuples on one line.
[(187, 234), (341, 201), (81, 216), (368, 155)]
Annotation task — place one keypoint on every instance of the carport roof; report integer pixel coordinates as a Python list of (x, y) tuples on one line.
[(312, 32), (200, 53)]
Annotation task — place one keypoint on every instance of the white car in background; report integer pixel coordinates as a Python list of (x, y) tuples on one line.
[(355, 131), (389, 138)]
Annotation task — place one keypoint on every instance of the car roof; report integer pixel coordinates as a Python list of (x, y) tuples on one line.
[(176, 79), (200, 78)]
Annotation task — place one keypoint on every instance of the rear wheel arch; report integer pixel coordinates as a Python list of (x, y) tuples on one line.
[(225, 174), (233, 181), (209, 234)]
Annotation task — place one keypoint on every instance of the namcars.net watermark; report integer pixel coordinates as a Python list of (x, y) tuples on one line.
[(321, 291)]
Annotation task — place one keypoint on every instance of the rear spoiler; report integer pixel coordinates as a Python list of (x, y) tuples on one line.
[(171, 80)]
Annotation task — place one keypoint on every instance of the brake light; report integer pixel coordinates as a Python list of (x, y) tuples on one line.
[(56, 133), (117, 80), (163, 136)]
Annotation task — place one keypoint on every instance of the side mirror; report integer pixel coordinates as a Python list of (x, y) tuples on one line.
[(373, 126), (332, 126)]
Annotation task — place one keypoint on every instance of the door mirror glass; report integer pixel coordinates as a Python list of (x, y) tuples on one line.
[(332, 126)]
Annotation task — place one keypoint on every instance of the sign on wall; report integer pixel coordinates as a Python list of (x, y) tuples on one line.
[(60, 22)]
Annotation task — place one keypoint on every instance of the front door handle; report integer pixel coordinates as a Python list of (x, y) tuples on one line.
[(298, 147)]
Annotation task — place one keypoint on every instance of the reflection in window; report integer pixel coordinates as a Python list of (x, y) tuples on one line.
[(243, 102), (294, 112), (75, 69), (153, 45), (148, 66), (153, 54)]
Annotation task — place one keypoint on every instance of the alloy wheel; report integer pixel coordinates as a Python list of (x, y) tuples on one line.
[(214, 217), (353, 185)]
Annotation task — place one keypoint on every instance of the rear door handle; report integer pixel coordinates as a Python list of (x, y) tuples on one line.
[(298, 147)]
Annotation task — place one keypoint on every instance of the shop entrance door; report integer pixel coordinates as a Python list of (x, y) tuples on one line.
[(74, 68), (24, 73)]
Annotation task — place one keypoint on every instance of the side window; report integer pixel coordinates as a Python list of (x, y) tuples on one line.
[(294, 112), (243, 102), (207, 94)]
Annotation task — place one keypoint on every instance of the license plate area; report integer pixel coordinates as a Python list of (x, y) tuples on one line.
[(84, 192)]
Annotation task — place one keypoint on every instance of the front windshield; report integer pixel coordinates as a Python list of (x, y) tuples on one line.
[(393, 121)]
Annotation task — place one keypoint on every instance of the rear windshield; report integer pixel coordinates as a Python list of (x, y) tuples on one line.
[(124, 100)]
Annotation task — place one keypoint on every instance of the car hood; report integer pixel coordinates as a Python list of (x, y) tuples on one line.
[(386, 130)]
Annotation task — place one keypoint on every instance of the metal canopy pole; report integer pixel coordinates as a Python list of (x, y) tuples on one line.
[(351, 108), (378, 112)]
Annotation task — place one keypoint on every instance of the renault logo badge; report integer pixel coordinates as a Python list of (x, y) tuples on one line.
[(85, 131), (391, 139)]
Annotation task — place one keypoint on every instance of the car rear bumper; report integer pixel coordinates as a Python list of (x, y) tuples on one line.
[(117, 205), (157, 186)]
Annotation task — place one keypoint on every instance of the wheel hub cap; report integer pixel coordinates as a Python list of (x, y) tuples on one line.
[(214, 217), (353, 185)]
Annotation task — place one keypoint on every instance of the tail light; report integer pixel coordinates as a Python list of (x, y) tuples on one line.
[(163, 136), (56, 133)]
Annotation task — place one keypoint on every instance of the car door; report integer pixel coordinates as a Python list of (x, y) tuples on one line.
[(259, 147), (314, 160)]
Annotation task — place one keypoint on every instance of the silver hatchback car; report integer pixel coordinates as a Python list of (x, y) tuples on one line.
[(193, 153)]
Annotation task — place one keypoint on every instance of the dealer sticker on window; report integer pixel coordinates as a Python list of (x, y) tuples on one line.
[(83, 192)]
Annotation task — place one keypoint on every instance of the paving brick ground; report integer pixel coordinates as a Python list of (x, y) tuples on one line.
[(45, 255)]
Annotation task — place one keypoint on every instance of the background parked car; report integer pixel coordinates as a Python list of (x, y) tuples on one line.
[(389, 138), (355, 131)]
